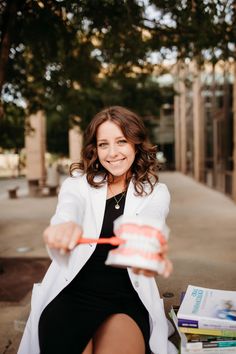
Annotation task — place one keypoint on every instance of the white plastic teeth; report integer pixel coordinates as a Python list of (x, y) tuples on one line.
[(140, 242)]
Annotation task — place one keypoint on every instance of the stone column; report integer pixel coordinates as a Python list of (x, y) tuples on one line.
[(183, 130), (234, 134), (177, 115), (35, 143), (75, 144), (197, 125), (177, 130)]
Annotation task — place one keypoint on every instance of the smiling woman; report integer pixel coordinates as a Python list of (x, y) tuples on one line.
[(112, 132), (97, 307)]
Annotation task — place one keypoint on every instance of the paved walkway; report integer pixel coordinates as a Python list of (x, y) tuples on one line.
[(202, 244)]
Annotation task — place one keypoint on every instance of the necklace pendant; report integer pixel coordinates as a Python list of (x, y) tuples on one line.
[(117, 206)]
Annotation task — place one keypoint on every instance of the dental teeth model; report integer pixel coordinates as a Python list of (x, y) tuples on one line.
[(143, 240)]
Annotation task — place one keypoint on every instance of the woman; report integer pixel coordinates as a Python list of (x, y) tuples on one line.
[(82, 305)]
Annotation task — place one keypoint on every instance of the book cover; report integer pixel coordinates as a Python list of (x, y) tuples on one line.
[(208, 308), (199, 331), (187, 339)]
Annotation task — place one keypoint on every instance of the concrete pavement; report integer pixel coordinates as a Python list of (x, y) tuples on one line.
[(202, 244)]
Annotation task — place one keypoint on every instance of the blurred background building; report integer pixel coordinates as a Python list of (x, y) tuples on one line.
[(205, 120)]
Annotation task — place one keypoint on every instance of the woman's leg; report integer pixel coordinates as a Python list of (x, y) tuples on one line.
[(118, 334), (89, 348), (66, 328)]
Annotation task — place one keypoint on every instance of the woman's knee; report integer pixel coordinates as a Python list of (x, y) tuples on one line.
[(89, 348), (119, 334)]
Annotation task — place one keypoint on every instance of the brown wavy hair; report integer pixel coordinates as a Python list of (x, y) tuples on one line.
[(145, 166)]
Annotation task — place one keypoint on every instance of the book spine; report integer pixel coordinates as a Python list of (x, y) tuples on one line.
[(207, 350), (200, 345), (214, 332), (211, 324), (207, 338), (187, 323)]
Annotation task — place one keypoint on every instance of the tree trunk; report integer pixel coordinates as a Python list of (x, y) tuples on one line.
[(8, 22)]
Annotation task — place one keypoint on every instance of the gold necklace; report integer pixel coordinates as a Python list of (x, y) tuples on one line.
[(117, 205)]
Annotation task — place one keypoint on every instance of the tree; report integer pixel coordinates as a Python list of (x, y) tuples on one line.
[(203, 30), (57, 51), (71, 58), (12, 128), (60, 47)]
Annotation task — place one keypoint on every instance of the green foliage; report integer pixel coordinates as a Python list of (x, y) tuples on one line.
[(141, 94), (57, 134), (72, 58), (12, 127), (202, 29)]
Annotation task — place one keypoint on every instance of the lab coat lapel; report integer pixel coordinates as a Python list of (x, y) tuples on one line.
[(133, 202), (98, 201)]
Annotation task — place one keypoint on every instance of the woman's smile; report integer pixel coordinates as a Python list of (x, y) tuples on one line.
[(116, 162)]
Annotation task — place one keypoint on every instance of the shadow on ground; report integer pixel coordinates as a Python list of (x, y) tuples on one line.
[(18, 275)]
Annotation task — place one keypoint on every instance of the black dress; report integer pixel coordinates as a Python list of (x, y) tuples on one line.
[(70, 320)]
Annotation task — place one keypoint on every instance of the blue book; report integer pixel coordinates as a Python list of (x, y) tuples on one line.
[(208, 308)]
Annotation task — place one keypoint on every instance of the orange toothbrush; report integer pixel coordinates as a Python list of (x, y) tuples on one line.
[(114, 241)]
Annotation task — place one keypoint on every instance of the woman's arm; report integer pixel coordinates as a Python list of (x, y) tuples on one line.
[(65, 228)]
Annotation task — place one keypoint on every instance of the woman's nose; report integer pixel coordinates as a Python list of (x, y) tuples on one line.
[(112, 150)]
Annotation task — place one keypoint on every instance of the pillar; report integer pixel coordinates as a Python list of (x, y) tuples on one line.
[(75, 144), (183, 130), (234, 135), (35, 143), (197, 126)]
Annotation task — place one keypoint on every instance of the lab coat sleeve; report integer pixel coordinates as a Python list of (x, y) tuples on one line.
[(158, 205), (161, 201), (70, 207)]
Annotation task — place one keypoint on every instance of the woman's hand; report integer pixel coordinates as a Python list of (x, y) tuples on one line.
[(63, 236), (168, 267)]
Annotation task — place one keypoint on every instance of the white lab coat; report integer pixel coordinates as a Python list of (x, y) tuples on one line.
[(80, 202)]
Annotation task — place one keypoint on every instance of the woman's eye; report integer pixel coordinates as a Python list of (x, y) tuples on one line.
[(122, 142), (102, 145)]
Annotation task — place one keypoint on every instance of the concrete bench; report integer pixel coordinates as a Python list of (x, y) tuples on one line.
[(12, 192), (51, 190)]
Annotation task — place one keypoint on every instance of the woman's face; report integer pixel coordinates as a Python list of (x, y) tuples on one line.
[(115, 153)]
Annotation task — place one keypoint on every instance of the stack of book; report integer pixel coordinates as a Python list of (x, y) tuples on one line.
[(206, 321)]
